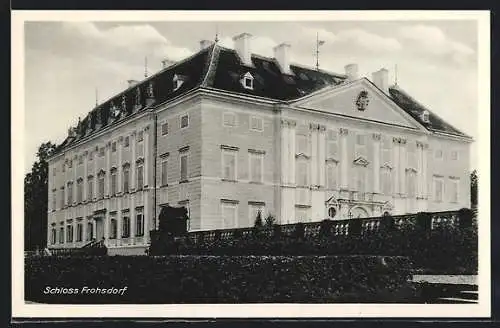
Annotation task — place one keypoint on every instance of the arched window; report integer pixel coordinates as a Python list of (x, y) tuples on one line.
[(332, 212)]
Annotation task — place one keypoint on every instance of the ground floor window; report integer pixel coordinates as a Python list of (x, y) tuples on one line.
[(53, 234), (90, 231), (229, 214), (69, 233), (126, 226), (113, 229), (61, 235), (79, 232), (139, 224), (302, 214)]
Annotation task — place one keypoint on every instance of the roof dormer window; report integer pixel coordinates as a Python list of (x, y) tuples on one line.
[(178, 81), (247, 81), (425, 116)]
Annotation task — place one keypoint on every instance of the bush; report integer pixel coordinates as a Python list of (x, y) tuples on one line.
[(222, 279)]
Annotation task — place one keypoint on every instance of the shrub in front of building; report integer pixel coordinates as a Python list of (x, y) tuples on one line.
[(222, 279)]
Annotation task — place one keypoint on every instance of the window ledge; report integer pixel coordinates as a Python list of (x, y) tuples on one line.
[(256, 182), (184, 181), (164, 185), (229, 180)]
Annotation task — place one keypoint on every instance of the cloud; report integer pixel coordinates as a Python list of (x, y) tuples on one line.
[(352, 40), (431, 40)]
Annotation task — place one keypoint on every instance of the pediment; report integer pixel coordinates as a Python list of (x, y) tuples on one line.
[(386, 166), (361, 100), (361, 161)]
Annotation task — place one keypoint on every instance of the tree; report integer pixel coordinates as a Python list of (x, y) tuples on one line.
[(258, 220), (36, 198), (473, 189)]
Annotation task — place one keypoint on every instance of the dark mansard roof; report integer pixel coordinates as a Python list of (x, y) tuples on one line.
[(220, 68)]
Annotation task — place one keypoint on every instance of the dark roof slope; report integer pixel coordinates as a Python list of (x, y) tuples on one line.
[(221, 68), (269, 81), (415, 109)]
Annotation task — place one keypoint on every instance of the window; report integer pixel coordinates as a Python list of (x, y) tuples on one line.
[(386, 150), (302, 173), (229, 215), (54, 171), (90, 231), (386, 181), (113, 146), (101, 185), (454, 155), (331, 144), (140, 136), (91, 156), (53, 236), (411, 157), (126, 176), (359, 178), (184, 121), (184, 167), (331, 175), (425, 116), (63, 169), (301, 214), (69, 233), (254, 209), (113, 229), (79, 190), (126, 141), (256, 123), (70, 163), (185, 204), (101, 152), (454, 190), (70, 193), (360, 148), (61, 235), (80, 159), (90, 190), (332, 212), (177, 82), (164, 129), (113, 182), (63, 198), (229, 164), (79, 232), (126, 225), (438, 189), (164, 176), (411, 183), (247, 81), (302, 144), (139, 230), (140, 177), (54, 199), (438, 154), (256, 167), (229, 119)]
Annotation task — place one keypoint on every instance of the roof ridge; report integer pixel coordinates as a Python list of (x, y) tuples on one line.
[(212, 65)]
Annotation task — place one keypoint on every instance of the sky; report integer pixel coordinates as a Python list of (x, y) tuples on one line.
[(66, 62)]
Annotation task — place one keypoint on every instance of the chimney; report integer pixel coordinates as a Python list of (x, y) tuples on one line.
[(351, 70), (242, 47), (167, 62), (205, 44), (131, 83), (282, 55), (381, 79)]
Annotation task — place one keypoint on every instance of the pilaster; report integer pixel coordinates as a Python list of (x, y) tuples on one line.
[(133, 165), (107, 192), (344, 164), (314, 154), (119, 167), (322, 155), (85, 177), (396, 165), (146, 157), (376, 163)]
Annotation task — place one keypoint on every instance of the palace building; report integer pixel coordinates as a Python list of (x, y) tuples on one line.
[(227, 133)]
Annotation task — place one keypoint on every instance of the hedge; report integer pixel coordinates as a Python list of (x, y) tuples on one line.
[(438, 251), (222, 279)]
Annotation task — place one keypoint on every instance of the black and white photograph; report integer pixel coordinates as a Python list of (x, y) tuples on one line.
[(237, 164)]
